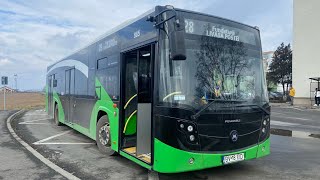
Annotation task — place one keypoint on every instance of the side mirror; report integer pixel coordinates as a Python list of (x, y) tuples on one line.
[(177, 41), (177, 46)]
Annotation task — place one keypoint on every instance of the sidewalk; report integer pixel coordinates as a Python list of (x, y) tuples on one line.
[(287, 105)]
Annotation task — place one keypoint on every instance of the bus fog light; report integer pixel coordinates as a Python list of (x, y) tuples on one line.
[(263, 149), (191, 161), (264, 122), (263, 130), (181, 126), (190, 128), (192, 137)]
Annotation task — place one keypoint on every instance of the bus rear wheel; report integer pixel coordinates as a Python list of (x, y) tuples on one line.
[(103, 136), (56, 116)]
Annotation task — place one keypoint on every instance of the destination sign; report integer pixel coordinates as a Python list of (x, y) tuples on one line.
[(218, 31)]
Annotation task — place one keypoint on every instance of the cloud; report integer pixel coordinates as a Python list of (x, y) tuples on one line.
[(4, 62), (34, 33)]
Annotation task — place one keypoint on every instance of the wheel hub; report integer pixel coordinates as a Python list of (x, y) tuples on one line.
[(104, 135)]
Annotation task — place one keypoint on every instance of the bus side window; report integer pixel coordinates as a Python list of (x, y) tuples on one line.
[(108, 74)]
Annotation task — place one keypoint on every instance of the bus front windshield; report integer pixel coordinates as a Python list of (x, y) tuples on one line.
[(223, 63)]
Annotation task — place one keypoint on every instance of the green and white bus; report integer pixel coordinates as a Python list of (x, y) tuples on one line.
[(172, 90)]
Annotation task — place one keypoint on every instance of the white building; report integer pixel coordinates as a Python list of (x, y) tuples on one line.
[(306, 60), (267, 59)]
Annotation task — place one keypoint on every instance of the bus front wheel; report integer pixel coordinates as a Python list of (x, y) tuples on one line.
[(103, 136)]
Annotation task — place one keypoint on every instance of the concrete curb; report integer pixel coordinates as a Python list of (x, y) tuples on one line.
[(35, 153)]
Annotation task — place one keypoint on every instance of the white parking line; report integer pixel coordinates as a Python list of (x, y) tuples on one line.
[(62, 143), (35, 115), (43, 141), (51, 137), (31, 122)]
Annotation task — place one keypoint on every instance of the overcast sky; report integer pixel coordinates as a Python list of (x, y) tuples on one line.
[(35, 33)]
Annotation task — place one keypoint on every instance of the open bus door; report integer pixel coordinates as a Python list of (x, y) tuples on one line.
[(137, 88)]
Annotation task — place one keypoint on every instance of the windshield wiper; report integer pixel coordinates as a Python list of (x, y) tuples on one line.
[(195, 116)]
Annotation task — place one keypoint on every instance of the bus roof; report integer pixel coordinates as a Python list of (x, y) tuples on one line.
[(130, 21)]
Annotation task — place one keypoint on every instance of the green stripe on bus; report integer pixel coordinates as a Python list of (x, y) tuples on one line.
[(171, 160)]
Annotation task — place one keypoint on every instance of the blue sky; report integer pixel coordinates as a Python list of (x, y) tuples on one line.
[(35, 33)]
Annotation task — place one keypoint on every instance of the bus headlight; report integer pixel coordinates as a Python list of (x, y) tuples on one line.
[(192, 137), (181, 126), (263, 130), (190, 128), (264, 122)]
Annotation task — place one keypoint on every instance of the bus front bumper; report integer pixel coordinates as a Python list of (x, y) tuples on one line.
[(171, 160)]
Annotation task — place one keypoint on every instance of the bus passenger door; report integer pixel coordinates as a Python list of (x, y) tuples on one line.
[(144, 102), (137, 99), (70, 92)]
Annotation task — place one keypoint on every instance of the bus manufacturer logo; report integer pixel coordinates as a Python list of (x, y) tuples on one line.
[(234, 136), (232, 120)]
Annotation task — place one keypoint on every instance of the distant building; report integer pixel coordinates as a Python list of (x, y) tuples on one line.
[(7, 89), (305, 60), (267, 59)]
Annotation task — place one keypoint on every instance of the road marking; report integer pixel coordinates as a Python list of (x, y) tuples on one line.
[(280, 123), (51, 137), (35, 115), (37, 123), (152, 175), (61, 143), (30, 122), (37, 154)]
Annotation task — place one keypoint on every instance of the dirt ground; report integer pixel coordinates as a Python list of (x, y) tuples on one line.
[(22, 100)]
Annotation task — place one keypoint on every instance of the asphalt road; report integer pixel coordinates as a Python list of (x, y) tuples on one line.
[(291, 158), (298, 119)]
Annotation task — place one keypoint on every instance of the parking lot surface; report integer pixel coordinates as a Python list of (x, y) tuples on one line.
[(15, 161), (291, 158)]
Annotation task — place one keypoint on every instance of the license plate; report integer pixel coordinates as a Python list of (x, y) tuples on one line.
[(233, 158)]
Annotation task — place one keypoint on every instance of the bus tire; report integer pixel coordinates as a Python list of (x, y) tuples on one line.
[(103, 136), (56, 116)]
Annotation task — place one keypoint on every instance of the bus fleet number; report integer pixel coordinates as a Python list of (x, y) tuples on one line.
[(189, 26)]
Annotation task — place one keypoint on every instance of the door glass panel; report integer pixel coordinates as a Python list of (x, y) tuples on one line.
[(131, 89), (145, 75), (67, 85), (72, 81)]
